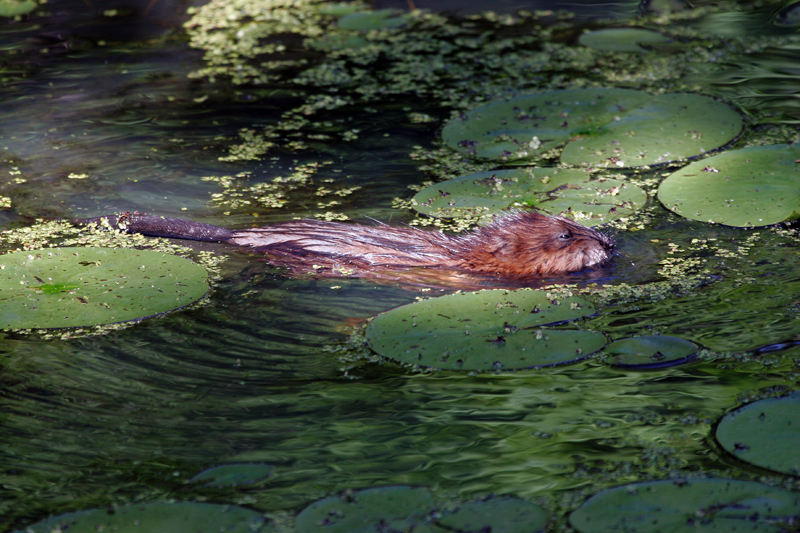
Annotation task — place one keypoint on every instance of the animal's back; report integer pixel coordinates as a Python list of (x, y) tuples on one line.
[(354, 244)]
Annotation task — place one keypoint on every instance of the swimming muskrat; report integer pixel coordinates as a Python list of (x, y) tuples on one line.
[(519, 244)]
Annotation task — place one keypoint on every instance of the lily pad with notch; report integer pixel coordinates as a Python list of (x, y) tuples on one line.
[(73, 287), (596, 127), (554, 191), (178, 517), (485, 331), (764, 433), (755, 186), (649, 351), (687, 506)]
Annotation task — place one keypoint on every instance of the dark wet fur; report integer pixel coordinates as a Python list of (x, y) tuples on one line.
[(518, 245)]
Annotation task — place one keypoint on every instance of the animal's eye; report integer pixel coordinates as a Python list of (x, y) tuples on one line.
[(565, 236)]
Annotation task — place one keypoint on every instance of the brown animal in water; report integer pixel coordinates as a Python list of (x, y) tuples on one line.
[(518, 245)]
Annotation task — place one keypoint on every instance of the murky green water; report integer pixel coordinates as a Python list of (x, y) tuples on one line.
[(251, 377)]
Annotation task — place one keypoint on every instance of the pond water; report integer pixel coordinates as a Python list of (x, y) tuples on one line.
[(99, 115)]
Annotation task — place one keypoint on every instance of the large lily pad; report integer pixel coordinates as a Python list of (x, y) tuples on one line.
[(649, 351), (622, 39), (677, 506), (71, 287), (509, 515), (156, 517), (565, 192), (596, 127), (764, 433), (398, 508), (484, 331), (755, 186)]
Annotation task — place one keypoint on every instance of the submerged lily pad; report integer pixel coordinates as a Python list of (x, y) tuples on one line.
[(398, 508), (72, 287), (509, 515), (152, 517), (233, 475), (565, 192), (755, 186), (622, 39), (677, 506), (764, 433), (372, 20), (649, 351), (484, 331), (597, 127)]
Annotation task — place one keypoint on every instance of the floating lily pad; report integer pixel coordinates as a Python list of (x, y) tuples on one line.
[(509, 515), (372, 20), (622, 39), (755, 186), (484, 331), (677, 506), (650, 351), (14, 8), (596, 127), (398, 508), (71, 287), (156, 517), (764, 433), (233, 475), (566, 192)]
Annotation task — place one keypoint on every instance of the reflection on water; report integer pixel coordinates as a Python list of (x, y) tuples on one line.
[(133, 415)]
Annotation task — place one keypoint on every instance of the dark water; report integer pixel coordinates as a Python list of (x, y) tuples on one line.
[(251, 377)]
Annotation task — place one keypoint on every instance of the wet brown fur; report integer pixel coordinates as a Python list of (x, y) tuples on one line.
[(520, 244)]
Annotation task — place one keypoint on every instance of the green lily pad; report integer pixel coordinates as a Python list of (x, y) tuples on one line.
[(233, 475), (509, 515), (650, 351), (622, 39), (368, 511), (152, 517), (72, 287), (13, 8), (372, 20), (596, 127), (755, 186), (484, 331), (764, 433), (555, 191), (677, 506)]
